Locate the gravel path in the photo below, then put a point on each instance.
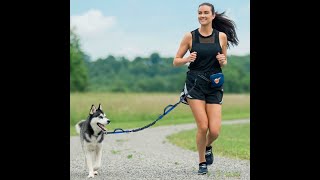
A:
(147, 155)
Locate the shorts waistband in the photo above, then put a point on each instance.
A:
(206, 73)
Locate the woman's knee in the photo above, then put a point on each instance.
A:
(214, 133)
(203, 129)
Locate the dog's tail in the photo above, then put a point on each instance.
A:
(78, 126)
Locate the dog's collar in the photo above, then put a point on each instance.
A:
(98, 134)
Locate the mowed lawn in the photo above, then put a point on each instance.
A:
(233, 141)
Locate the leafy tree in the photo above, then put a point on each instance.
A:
(78, 68)
(155, 58)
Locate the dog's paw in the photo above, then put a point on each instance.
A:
(95, 172)
(91, 175)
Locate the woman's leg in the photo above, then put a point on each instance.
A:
(198, 108)
(214, 115)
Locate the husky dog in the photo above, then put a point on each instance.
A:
(92, 133)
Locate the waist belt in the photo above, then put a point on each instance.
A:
(203, 75)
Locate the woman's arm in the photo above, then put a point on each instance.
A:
(222, 58)
(183, 48)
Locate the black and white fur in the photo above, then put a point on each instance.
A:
(91, 138)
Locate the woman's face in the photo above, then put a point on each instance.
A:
(205, 15)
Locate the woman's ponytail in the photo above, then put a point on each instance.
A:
(222, 23)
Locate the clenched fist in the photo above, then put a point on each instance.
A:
(192, 57)
(221, 58)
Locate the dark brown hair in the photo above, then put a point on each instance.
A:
(222, 23)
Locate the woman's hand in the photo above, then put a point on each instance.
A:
(222, 59)
(192, 57)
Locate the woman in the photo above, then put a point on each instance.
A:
(208, 54)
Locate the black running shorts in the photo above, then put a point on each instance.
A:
(202, 89)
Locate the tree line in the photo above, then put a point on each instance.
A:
(143, 74)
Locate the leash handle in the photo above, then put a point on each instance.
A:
(118, 129)
(165, 109)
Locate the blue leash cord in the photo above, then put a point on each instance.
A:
(165, 112)
(119, 130)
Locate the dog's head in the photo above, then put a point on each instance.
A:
(98, 118)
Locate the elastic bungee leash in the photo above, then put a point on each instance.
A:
(165, 112)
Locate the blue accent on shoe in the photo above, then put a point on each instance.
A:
(209, 155)
(202, 168)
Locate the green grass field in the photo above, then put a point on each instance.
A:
(233, 141)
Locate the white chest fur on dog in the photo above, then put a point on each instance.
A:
(94, 139)
(94, 142)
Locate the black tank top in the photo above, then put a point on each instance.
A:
(207, 47)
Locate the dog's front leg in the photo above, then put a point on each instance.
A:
(98, 154)
(89, 161)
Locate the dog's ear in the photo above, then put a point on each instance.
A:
(100, 107)
(92, 110)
